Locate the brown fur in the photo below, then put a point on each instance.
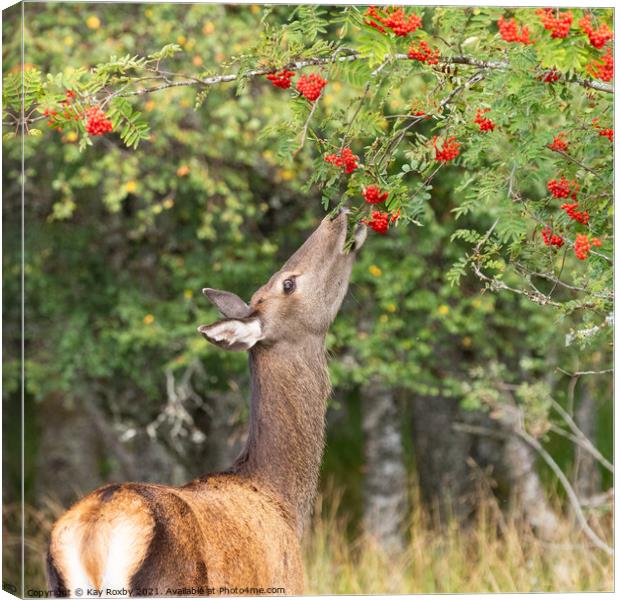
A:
(241, 528)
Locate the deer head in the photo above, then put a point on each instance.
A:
(298, 301)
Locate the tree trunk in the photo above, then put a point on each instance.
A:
(526, 490)
(69, 459)
(385, 482)
(518, 474)
(587, 474)
(441, 454)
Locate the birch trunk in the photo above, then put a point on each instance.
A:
(385, 482)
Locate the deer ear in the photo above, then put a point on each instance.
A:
(233, 334)
(229, 304)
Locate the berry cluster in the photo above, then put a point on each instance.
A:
(559, 143)
(380, 221)
(282, 79)
(97, 123)
(602, 70)
(311, 86)
(484, 123)
(345, 159)
(551, 239)
(559, 25)
(583, 245)
(509, 30)
(448, 151)
(580, 216)
(608, 133)
(551, 76)
(373, 195)
(393, 19)
(598, 37)
(424, 53)
(563, 188)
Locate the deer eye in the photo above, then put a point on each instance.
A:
(288, 285)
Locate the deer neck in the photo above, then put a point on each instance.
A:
(290, 387)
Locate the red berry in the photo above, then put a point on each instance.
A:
(484, 123)
(449, 149)
(380, 221)
(281, 79)
(602, 70)
(311, 86)
(608, 133)
(97, 123)
(423, 53)
(559, 144)
(555, 21)
(550, 239)
(551, 76)
(393, 18)
(598, 37)
(345, 159)
(509, 30)
(583, 245)
(372, 194)
(580, 216)
(563, 188)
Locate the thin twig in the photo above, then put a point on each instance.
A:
(574, 160)
(587, 447)
(580, 373)
(304, 131)
(582, 436)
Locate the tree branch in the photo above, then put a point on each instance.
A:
(585, 442)
(297, 65)
(579, 373)
(585, 446)
(572, 496)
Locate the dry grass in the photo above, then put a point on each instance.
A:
(494, 554)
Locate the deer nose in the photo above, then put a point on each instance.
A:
(342, 210)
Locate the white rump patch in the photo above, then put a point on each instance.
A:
(125, 551)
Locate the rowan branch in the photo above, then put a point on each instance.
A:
(570, 493)
(557, 281)
(575, 161)
(297, 65)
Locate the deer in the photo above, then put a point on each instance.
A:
(237, 531)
